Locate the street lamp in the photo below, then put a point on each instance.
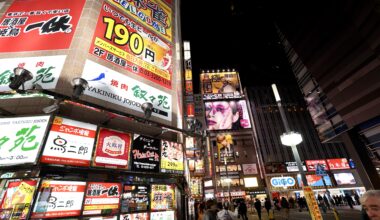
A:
(290, 138)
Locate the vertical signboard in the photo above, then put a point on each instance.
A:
(129, 45)
(135, 198)
(69, 142)
(315, 213)
(225, 147)
(44, 25)
(16, 201)
(171, 157)
(21, 139)
(112, 149)
(145, 154)
(59, 199)
(102, 198)
(162, 197)
(45, 70)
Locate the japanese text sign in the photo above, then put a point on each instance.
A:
(167, 215)
(44, 25)
(315, 213)
(69, 142)
(171, 157)
(21, 139)
(162, 197)
(312, 164)
(114, 87)
(135, 198)
(59, 199)
(112, 149)
(220, 85)
(338, 164)
(127, 44)
(17, 199)
(135, 216)
(45, 70)
(145, 153)
(102, 198)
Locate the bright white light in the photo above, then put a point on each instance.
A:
(186, 45)
(291, 138)
(251, 182)
(275, 92)
(227, 180)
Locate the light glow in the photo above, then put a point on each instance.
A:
(291, 138)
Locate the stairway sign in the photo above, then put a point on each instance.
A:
(320, 170)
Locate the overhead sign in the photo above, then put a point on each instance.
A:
(162, 197)
(315, 213)
(135, 198)
(131, 46)
(220, 85)
(46, 71)
(285, 181)
(171, 157)
(102, 198)
(114, 87)
(21, 139)
(145, 154)
(58, 199)
(112, 149)
(338, 164)
(45, 25)
(312, 164)
(69, 142)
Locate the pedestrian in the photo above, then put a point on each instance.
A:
(349, 200)
(276, 203)
(357, 199)
(201, 210)
(258, 208)
(326, 201)
(225, 214)
(267, 205)
(243, 210)
(285, 206)
(211, 210)
(371, 204)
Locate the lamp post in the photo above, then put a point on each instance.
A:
(290, 138)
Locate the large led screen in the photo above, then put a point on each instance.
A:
(220, 85)
(344, 178)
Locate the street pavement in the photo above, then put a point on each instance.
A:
(345, 213)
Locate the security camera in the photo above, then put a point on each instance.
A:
(79, 85)
(147, 107)
(20, 76)
(52, 108)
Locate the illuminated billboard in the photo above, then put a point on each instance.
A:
(220, 85)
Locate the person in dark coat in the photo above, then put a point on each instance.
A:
(285, 206)
(242, 210)
(268, 205)
(258, 208)
(349, 200)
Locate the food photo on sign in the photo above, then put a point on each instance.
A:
(146, 153)
(162, 197)
(171, 157)
(135, 198)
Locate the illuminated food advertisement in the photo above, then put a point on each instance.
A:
(69, 142)
(162, 197)
(102, 198)
(17, 198)
(59, 199)
(45, 25)
(227, 115)
(135, 198)
(112, 149)
(220, 85)
(21, 139)
(171, 157)
(145, 153)
(135, 216)
(225, 147)
(167, 215)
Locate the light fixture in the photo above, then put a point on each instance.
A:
(52, 108)
(20, 76)
(237, 154)
(147, 108)
(291, 138)
(79, 85)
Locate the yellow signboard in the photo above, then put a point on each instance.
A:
(315, 213)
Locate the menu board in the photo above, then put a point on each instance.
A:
(59, 199)
(162, 197)
(167, 215)
(145, 154)
(102, 198)
(135, 198)
(112, 149)
(69, 142)
(16, 201)
(135, 216)
(171, 157)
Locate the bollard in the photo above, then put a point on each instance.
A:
(336, 214)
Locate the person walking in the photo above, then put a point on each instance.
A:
(285, 206)
(243, 210)
(258, 208)
(349, 200)
(225, 214)
(211, 210)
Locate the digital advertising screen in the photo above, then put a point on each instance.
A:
(102, 198)
(146, 153)
(171, 157)
(344, 179)
(225, 145)
(135, 198)
(311, 165)
(314, 180)
(220, 85)
(338, 164)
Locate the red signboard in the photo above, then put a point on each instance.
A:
(125, 43)
(338, 164)
(312, 164)
(112, 149)
(102, 198)
(39, 25)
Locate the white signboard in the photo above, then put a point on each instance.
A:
(292, 167)
(167, 215)
(45, 70)
(21, 139)
(69, 142)
(114, 87)
(249, 169)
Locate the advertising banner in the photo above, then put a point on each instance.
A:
(59, 199)
(114, 87)
(312, 164)
(315, 181)
(135, 216)
(45, 70)
(112, 149)
(102, 198)
(227, 115)
(17, 198)
(338, 164)
(199, 166)
(292, 166)
(225, 147)
(127, 44)
(45, 25)
(69, 142)
(196, 186)
(344, 179)
(221, 85)
(21, 139)
(315, 213)
(249, 169)
(135, 198)
(171, 157)
(154, 14)
(167, 215)
(146, 154)
(162, 197)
